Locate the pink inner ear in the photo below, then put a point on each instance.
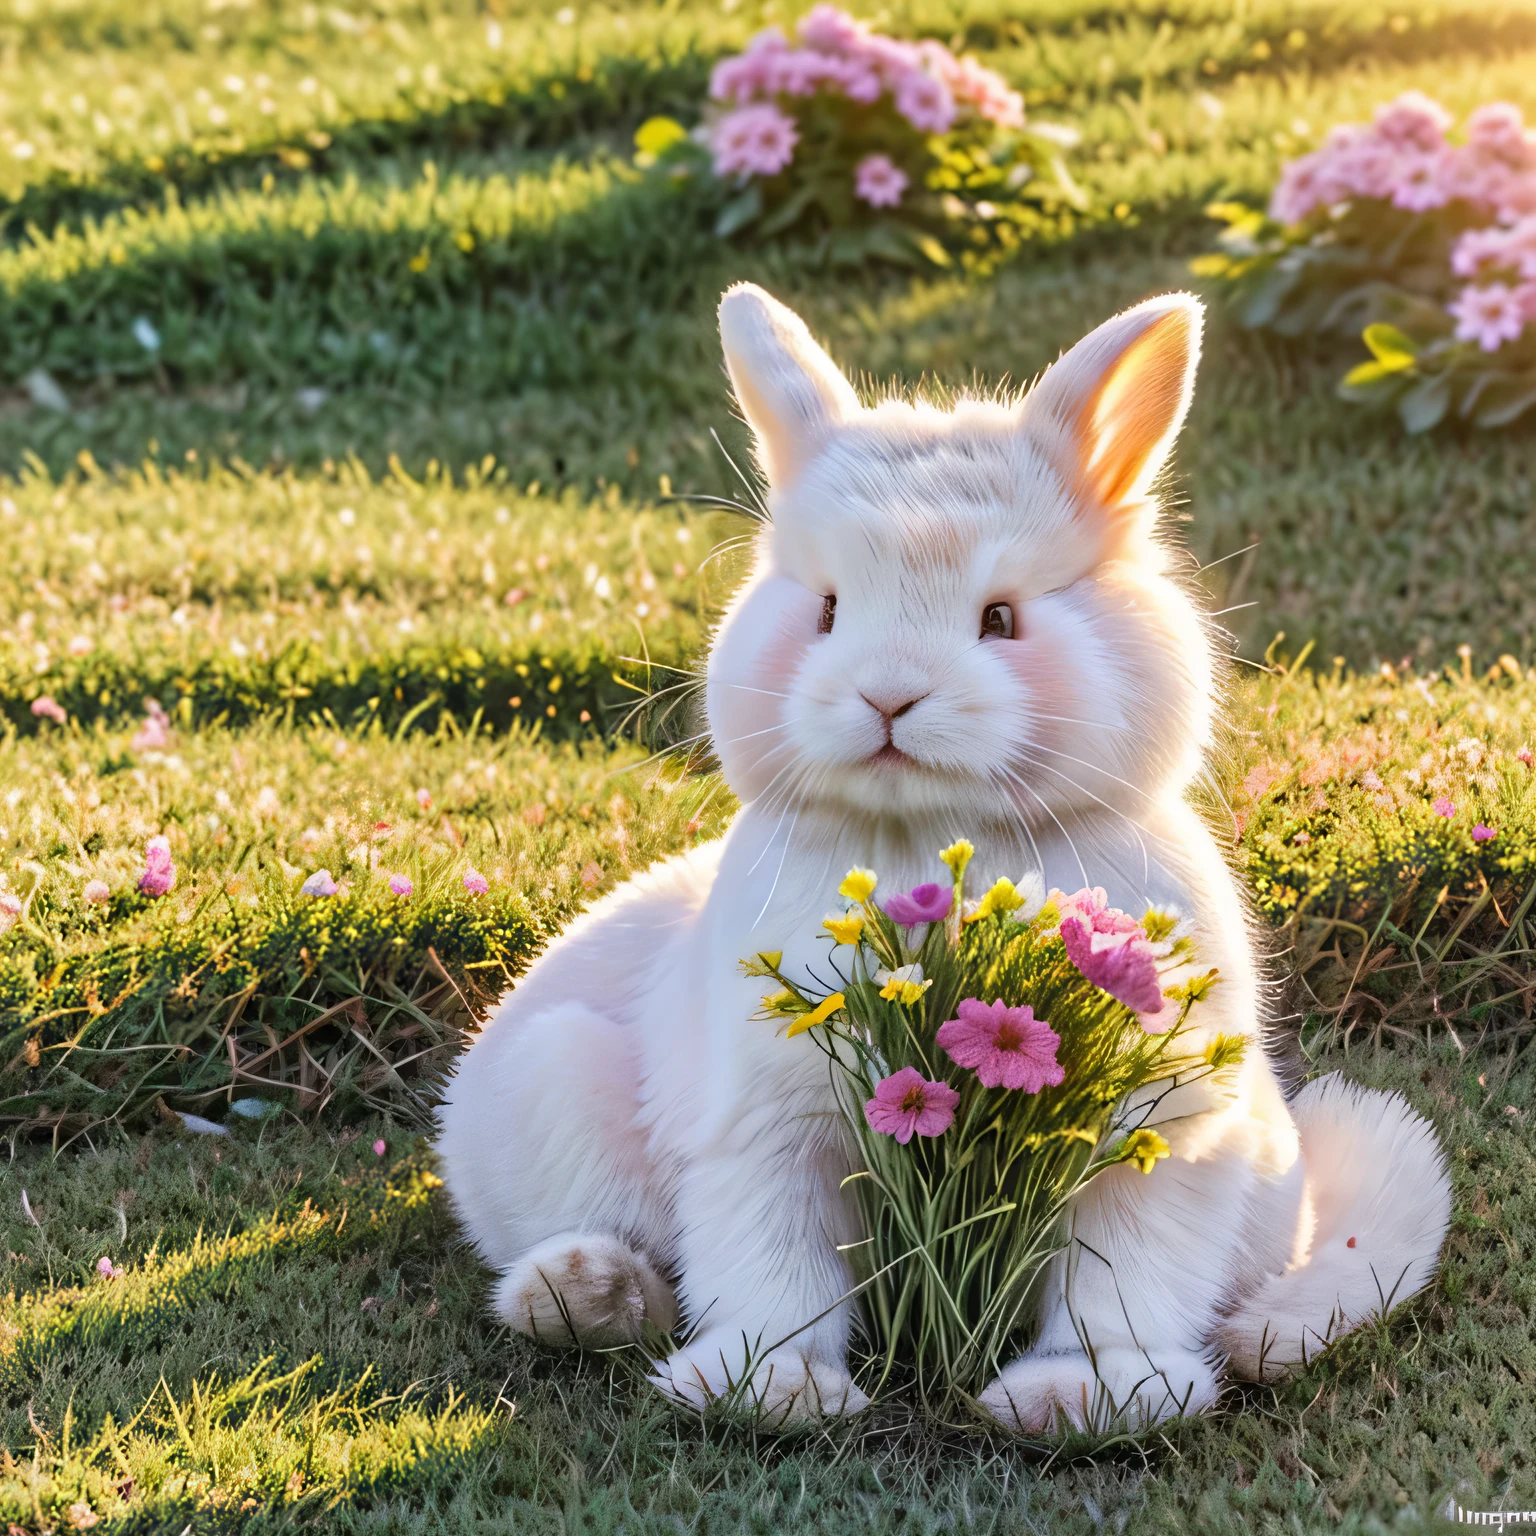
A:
(1127, 420)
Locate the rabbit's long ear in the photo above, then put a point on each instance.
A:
(1109, 410)
(791, 392)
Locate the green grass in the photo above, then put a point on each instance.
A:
(287, 88)
(296, 522)
(233, 596)
(297, 1336)
(236, 980)
(1394, 915)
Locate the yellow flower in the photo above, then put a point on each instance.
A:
(1146, 1149)
(957, 856)
(818, 1015)
(780, 1002)
(845, 928)
(772, 958)
(1003, 898)
(903, 985)
(858, 884)
(421, 261)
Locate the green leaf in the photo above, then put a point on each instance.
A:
(656, 135)
(740, 211)
(1500, 402)
(1392, 348)
(1371, 384)
(887, 242)
(1263, 303)
(791, 208)
(1425, 405)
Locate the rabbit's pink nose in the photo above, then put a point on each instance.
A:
(888, 710)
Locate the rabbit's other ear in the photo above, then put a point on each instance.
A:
(1109, 410)
(791, 392)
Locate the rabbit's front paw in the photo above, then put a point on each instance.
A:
(585, 1288)
(780, 1389)
(1039, 1394)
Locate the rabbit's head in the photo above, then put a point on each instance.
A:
(966, 613)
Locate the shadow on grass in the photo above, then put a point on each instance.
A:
(614, 90)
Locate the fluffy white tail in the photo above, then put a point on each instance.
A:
(1376, 1205)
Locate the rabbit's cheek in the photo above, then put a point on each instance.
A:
(1040, 679)
(751, 680)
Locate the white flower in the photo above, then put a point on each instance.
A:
(903, 985)
(145, 334)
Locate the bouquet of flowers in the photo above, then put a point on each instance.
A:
(876, 144)
(991, 1057)
(1426, 243)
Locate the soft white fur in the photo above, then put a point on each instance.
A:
(625, 1116)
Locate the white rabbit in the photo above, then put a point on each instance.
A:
(959, 623)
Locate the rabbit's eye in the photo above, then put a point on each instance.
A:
(828, 613)
(997, 619)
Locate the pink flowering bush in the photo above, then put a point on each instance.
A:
(1421, 238)
(875, 144)
(984, 1051)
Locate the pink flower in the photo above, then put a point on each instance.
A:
(1479, 249)
(753, 141)
(1490, 315)
(1421, 182)
(1498, 127)
(800, 72)
(831, 29)
(402, 885)
(923, 904)
(1007, 1047)
(107, 1269)
(1091, 907)
(155, 734)
(380, 1147)
(47, 708)
(879, 181)
(159, 871)
(1482, 833)
(1444, 807)
(925, 102)
(319, 884)
(1520, 244)
(475, 883)
(1111, 950)
(1413, 120)
(424, 799)
(738, 79)
(890, 56)
(941, 64)
(857, 80)
(748, 74)
(1526, 756)
(10, 905)
(906, 1102)
(1122, 964)
(986, 92)
(1304, 185)
(96, 892)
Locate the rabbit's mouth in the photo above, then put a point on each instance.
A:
(890, 753)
